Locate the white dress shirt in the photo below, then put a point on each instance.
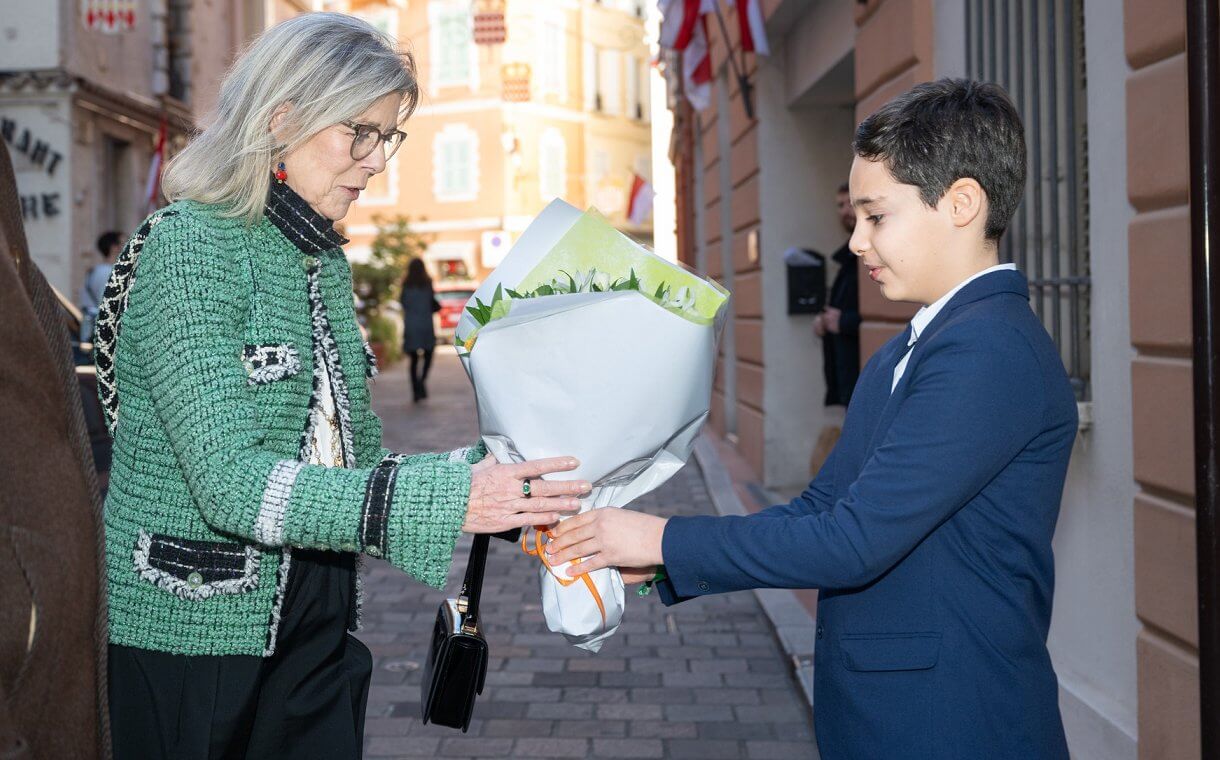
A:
(926, 314)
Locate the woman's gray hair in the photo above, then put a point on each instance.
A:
(328, 67)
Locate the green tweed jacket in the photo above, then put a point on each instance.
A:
(208, 342)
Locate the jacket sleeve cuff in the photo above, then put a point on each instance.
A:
(424, 518)
(681, 547)
(667, 594)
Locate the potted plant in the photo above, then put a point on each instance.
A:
(376, 282)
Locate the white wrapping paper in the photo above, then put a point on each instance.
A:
(614, 379)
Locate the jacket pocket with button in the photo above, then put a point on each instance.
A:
(195, 570)
(871, 652)
(268, 362)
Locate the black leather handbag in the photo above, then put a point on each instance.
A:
(457, 659)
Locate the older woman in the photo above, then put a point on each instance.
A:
(248, 470)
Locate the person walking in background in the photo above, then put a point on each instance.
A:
(108, 246)
(839, 325)
(418, 338)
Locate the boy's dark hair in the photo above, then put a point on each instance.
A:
(939, 132)
(106, 241)
(844, 188)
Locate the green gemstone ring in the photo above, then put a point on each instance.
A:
(525, 488)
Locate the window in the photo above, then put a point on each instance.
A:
(552, 165)
(382, 189)
(590, 76)
(601, 165)
(1036, 51)
(451, 39)
(553, 55)
(635, 110)
(119, 209)
(455, 164)
(609, 71)
(179, 53)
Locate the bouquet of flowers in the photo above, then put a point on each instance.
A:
(585, 343)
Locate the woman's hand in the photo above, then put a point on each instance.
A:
(608, 537)
(498, 502)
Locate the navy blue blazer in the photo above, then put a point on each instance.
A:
(928, 533)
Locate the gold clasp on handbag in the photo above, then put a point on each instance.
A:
(469, 630)
(462, 604)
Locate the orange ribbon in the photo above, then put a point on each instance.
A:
(539, 551)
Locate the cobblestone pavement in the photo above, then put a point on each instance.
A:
(705, 679)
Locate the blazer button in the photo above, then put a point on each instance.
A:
(372, 550)
(704, 586)
(309, 262)
(195, 579)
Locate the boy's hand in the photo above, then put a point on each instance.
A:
(608, 537)
(634, 576)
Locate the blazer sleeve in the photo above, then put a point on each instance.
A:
(187, 311)
(975, 399)
(818, 496)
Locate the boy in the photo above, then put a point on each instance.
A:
(928, 530)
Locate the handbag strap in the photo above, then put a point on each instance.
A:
(472, 586)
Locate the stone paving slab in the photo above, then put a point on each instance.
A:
(705, 679)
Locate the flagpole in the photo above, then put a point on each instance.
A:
(742, 82)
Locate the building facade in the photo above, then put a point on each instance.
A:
(559, 109)
(84, 89)
(1103, 237)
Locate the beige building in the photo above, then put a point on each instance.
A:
(82, 98)
(1103, 236)
(476, 167)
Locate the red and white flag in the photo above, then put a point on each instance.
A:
(152, 188)
(639, 205)
(753, 27)
(684, 28)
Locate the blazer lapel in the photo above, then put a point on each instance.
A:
(987, 286)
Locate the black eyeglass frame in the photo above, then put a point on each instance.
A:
(392, 139)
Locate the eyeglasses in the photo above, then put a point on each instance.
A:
(368, 138)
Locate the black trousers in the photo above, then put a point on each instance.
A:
(305, 701)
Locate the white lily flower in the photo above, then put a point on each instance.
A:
(683, 300)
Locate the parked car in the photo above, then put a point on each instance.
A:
(452, 299)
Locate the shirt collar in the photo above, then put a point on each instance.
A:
(926, 314)
(305, 228)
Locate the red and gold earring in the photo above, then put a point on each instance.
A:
(281, 173)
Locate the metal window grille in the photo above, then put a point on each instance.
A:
(1035, 50)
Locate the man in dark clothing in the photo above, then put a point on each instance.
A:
(839, 325)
